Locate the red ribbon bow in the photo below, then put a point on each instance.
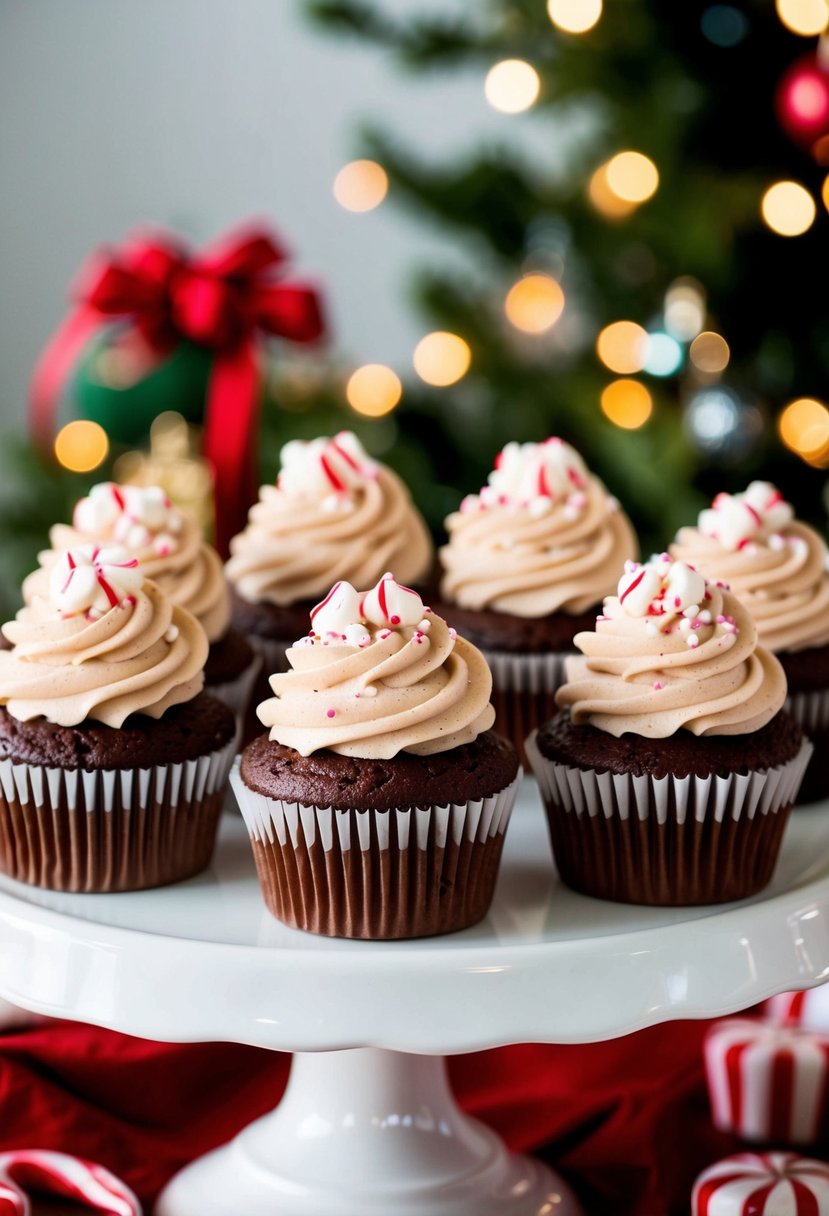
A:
(223, 298)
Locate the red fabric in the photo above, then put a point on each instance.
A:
(625, 1121)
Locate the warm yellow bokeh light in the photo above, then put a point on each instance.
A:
(684, 308)
(512, 86)
(709, 352)
(623, 347)
(441, 358)
(804, 17)
(788, 208)
(627, 404)
(534, 303)
(81, 446)
(632, 177)
(373, 390)
(361, 185)
(574, 16)
(824, 193)
(604, 200)
(804, 428)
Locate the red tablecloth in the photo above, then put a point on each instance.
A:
(626, 1122)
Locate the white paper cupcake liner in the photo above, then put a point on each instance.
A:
(532, 673)
(407, 872)
(110, 830)
(811, 709)
(667, 840)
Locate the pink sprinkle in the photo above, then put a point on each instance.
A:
(720, 619)
(384, 633)
(453, 633)
(131, 600)
(331, 713)
(677, 601)
(395, 620)
(657, 687)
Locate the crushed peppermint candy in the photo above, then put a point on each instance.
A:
(756, 516)
(534, 477)
(92, 579)
(327, 469)
(669, 595)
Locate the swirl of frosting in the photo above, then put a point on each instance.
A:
(377, 675)
(104, 643)
(774, 564)
(543, 536)
(672, 652)
(333, 512)
(169, 548)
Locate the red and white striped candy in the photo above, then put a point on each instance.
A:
(768, 1083)
(762, 1184)
(809, 1010)
(59, 1174)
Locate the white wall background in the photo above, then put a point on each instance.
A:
(197, 114)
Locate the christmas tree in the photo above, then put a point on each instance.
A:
(655, 304)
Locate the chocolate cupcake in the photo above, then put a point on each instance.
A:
(113, 763)
(669, 774)
(528, 562)
(333, 514)
(777, 566)
(378, 802)
(173, 553)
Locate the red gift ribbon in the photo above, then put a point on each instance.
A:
(222, 298)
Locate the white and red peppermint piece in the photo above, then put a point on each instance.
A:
(337, 613)
(768, 1083)
(665, 589)
(391, 604)
(46, 1172)
(319, 468)
(134, 516)
(809, 1010)
(92, 579)
(762, 1184)
(535, 475)
(736, 520)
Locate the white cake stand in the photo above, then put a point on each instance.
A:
(368, 1126)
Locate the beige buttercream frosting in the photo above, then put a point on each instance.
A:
(774, 564)
(333, 513)
(169, 547)
(102, 644)
(379, 674)
(543, 536)
(672, 652)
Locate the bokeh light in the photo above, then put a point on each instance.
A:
(623, 347)
(804, 428)
(632, 177)
(627, 404)
(603, 198)
(534, 303)
(684, 309)
(441, 358)
(663, 356)
(804, 17)
(724, 25)
(788, 208)
(824, 192)
(361, 185)
(512, 86)
(574, 16)
(81, 446)
(373, 390)
(709, 353)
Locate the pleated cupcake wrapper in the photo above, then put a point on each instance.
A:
(406, 872)
(523, 692)
(811, 709)
(110, 830)
(236, 693)
(666, 840)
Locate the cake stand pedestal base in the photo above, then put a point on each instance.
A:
(366, 1133)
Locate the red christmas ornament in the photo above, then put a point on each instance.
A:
(802, 101)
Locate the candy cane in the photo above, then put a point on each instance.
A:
(60, 1174)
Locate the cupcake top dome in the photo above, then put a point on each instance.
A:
(333, 513)
(542, 536)
(169, 547)
(378, 674)
(776, 565)
(672, 651)
(102, 643)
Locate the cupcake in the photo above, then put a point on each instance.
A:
(333, 514)
(528, 562)
(172, 552)
(113, 763)
(777, 566)
(669, 772)
(378, 800)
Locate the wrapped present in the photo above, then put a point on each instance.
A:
(762, 1184)
(47, 1173)
(807, 1009)
(768, 1083)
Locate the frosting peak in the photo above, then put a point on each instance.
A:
(672, 651)
(333, 512)
(543, 536)
(363, 686)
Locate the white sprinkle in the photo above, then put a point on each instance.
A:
(171, 634)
